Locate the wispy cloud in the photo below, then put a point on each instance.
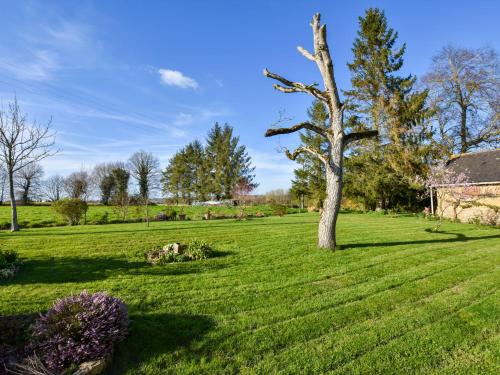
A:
(39, 48)
(176, 78)
(38, 65)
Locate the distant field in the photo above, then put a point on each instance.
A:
(396, 299)
(36, 216)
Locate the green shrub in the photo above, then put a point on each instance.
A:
(278, 209)
(9, 256)
(170, 253)
(103, 219)
(171, 213)
(197, 250)
(70, 209)
(241, 215)
(9, 264)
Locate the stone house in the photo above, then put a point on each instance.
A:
(483, 190)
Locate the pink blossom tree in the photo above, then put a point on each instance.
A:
(242, 189)
(453, 190)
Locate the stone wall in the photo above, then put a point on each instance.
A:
(483, 204)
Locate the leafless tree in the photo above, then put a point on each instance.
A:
(21, 144)
(3, 183)
(464, 85)
(53, 188)
(333, 132)
(28, 182)
(79, 185)
(145, 169)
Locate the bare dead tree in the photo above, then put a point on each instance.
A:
(28, 181)
(21, 144)
(53, 188)
(3, 183)
(145, 169)
(333, 132)
(77, 184)
(464, 85)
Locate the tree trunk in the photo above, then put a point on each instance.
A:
(455, 214)
(331, 204)
(14, 226)
(463, 130)
(85, 214)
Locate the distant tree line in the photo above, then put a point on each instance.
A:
(220, 170)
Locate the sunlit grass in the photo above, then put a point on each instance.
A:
(397, 298)
(42, 215)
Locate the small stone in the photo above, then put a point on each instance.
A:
(91, 367)
(178, 248)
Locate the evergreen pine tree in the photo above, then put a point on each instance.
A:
(378, 172)
(228, 162)
(197, 173)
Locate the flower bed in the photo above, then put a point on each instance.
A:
(77, 335)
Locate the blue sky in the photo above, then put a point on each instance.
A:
(119, 76)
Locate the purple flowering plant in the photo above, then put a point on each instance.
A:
(79, 328)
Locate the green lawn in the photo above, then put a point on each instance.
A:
(42, 215)
(396, 298)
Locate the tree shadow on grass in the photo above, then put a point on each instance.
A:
(79, 269)
(153, 334)
(459, 237)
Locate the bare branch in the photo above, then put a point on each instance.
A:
(352, 137)
(303, 125)
(308, 55)
(305, 149)
(296, 86)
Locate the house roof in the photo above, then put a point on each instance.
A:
(482, 166)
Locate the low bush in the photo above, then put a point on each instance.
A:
(70, 209)
(79, 328)
(174, 252)
(103, 219)
(161, 217)
(491, 217)
(171, 213)
(278, 209)
(9, 264)
(197, 250)
(241, 215)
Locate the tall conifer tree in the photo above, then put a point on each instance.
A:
(378, 172)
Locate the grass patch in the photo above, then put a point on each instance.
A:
(42, 215)
(397, 298)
